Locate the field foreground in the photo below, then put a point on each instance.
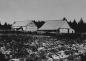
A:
(63, 47)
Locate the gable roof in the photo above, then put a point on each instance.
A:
(21, 23)
(54, 25)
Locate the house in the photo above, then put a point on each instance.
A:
(60, 26)
(18, 59)
(24, 25)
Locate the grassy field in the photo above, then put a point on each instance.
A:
(33, 45)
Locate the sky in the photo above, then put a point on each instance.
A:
(19, 10)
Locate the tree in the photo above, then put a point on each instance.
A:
(81, 26)
(81, 21)
(39, 23)
(70, 23)
(74, 25)
(9, 26)
(5, 24)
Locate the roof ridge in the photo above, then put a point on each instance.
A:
(23, 21)
(54, 20)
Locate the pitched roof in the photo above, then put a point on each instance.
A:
(21, 23)
(54, 24)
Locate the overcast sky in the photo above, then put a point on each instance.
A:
(17, 10)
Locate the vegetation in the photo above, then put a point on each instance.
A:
(5, 26)
(79, 27)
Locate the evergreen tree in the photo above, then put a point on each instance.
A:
(39, 23)
(74, 25)
(5, 26)
(70, 23)
(9, 26)
(81, 26)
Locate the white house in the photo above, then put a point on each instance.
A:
(24, 25)
(18, 59)
(60, 26)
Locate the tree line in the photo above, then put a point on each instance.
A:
(5, 26)
(79, 27)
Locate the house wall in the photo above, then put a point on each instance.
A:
(71, 31)
(63, 30)
(66, 30)
(15, 27)
(29, 28)
(24, 28)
